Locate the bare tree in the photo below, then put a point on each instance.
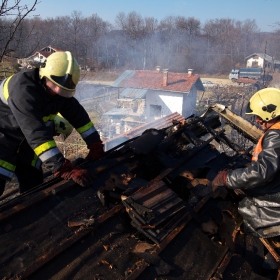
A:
(149, 42)
(190, 27)
(12, 15)
(133, 25)
(224, 38)
(167, 29)
(94, 29)
(176, 42)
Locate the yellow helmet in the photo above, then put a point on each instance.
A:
(62, 127)
(265, 103)
(63, 70)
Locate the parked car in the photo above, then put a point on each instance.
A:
(208, 84)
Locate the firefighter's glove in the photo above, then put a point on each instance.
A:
(95, 151)
(78, 175)
(64, 170)
(220, 180)
(81, 177)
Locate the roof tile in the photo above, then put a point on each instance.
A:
(154, 80)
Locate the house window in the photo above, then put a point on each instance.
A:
(255, 64)
(155, 111)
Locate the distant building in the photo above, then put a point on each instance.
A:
(260, 60)
(163, 93)
(129, 113)
(37, 58)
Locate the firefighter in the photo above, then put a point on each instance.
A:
(29, 102)
(29, 167)
(260, 180)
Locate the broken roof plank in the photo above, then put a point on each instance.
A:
(248, 129)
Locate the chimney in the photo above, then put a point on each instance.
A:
(190, 72)
(165, 77)
(158, 68)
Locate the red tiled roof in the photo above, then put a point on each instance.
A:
(57, 50)
(45, 54)
(50, 47)
(154, 80)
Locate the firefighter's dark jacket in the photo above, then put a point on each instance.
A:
(28, 110)
(261, 183)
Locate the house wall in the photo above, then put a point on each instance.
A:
(255, 62)
(32, 60)
(36, 58)
(169, 102)
(189, 102)
(40, 58)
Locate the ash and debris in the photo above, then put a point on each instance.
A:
(63, 231)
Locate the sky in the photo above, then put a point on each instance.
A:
(265, 12)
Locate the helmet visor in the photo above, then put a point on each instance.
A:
(65, 81)
(249, 111)
(55, 89)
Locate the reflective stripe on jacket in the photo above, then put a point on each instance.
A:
(86, 130)
(4, 93)
(7, 169)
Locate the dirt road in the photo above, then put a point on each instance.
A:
(218, 81)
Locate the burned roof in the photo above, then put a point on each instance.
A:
(149, 214)
(146, 79)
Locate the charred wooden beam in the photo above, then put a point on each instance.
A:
(247, 129)
(146, 143)
(271, 249)
(23, 202)
(191, 126)
(66, 243)
(190, 154)
(222, 267)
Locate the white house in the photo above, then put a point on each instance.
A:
(260, 60)
(165, 92)
(38, 57)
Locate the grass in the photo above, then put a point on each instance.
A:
(7, 68)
